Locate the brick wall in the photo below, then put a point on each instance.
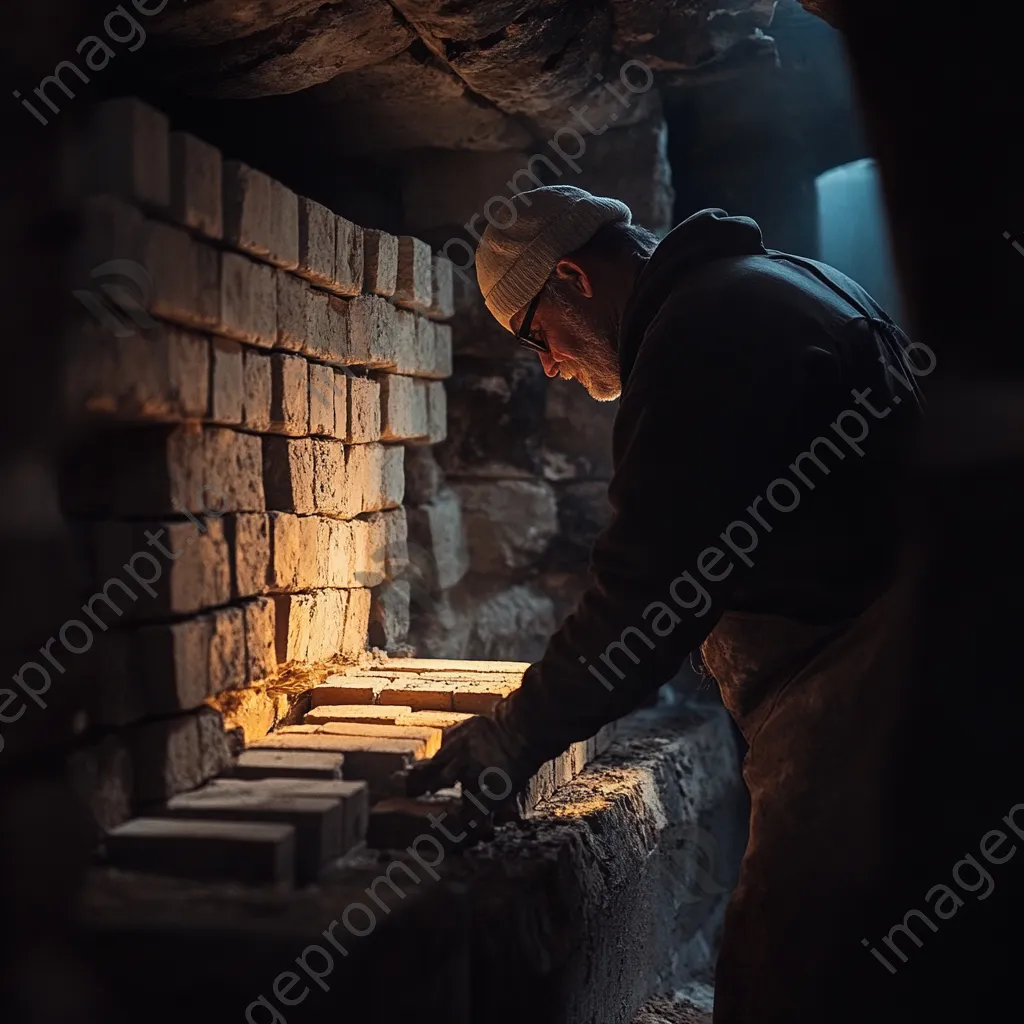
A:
(249, 373)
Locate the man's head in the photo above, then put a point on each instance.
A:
(559, 273)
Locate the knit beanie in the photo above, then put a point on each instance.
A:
(516, 257)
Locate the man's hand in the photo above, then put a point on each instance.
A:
(487, 757)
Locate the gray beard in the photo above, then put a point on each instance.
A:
(599, 374)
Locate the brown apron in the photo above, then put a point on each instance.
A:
(821, 709)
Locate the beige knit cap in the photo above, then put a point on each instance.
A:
(517, 253)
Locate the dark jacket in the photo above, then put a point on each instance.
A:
(748, 475)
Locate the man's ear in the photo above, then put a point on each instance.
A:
(569, 270)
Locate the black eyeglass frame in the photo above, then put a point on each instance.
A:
(523, 334)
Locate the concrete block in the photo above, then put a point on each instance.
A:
(349, 258)
(288, 474)
(414, 282)
(170, 664)
(438, 551)
(403, 408)
(185, 276)
(389, 615)
(287, 764)
(357, 624)
(372, 332)
(364, 474)
(380, 272)
(294, 620)
(294, 311)
(442, 305)
(233, 471)
(393, 456)
(437, 411)
(329, 483)
(248, 300)
(196, 199)
(227, 386)
(253, 853)
(364, 410)
(317, 239)
(165, 757)
(289, 402)
(322, 399)
(260, 640)
(258, 390)
(128, 153)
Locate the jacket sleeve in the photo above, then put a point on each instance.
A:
(703, 427)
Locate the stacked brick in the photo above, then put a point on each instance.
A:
(259, 365)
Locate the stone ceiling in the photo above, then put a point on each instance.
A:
(451, 74)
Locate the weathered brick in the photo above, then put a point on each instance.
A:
(393, 456)
(349, 258)
(438, 550)
(458, 667)
(340, 404)
(185, 276)
(127, 153)
(403, 408)
(437, 411)
(294, 619)
(364, 409)
(284, 226)
(414, 285)
(442, 306)
(109, 230)
(227, 650)
(431, 737)
(295, 312)
(326, 328)
(419, 695)
(372, 332)
(321, 399)
(170, 663)
(249, 534)
(380, 255)
(369, 713)
(196, 194)
(329, 478)
(318, 821)
(442, 366)
(317, 239)
(287, 764)
(364, 476)
(288, 474)
(337, 543)
(260, 639)
(165, 757)
(406, 341)
(443, 720)
(347, 689)
(101, 775)
(369, 541)
(289, 402)
(227, 386)
(261, 216)
(424, 478)
(396, 541)
(258, 385)
(161, 376)
(389, 615)
(327, 624)
(254, 853)
(357, 623)
(248, 300)
(292, 563)
(233, 477)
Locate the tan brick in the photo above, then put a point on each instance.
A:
(403, 408)
(227, 387)
(250, 543)
(127, 153)
(364, 410)
(288, 474)
(329, 477)
(295, 311)
(289, 403)
(289, 559)
(369, 713)
(479, 700)
(357, 623)
(260, 639)
(414, 286)
(426, 347)
(287, 764)
(169, 663)
(327, 328)
(471, 668)
(185, 276)
(442, 306)
(438, 548)
(420, 696)
(327, 624)
(261, 216)
(195, 183)
(431, 737)
(437, 411)
(406, 341)
(294, 619)
(394, 475)
(256, 404)
(317, 239)
(233, 477)
(347, 689)
(340, 404)
(349, 258)
(372, 332)
(321, 400)
(312, 562)
(369, 541)
(335, 555)
(443, 720)
(380, 254)
(163, 376)
(284, 227)
(248, 300)
(364, 474)
(396, 541)
(389, 615)
(227, 650)
(165, 757)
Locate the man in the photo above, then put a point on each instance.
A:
(763, 404)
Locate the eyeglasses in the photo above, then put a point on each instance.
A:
(523, 334)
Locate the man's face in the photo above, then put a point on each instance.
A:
(581, 341)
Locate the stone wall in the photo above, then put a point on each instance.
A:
(248, 373)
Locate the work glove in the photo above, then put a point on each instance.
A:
(491, 760)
